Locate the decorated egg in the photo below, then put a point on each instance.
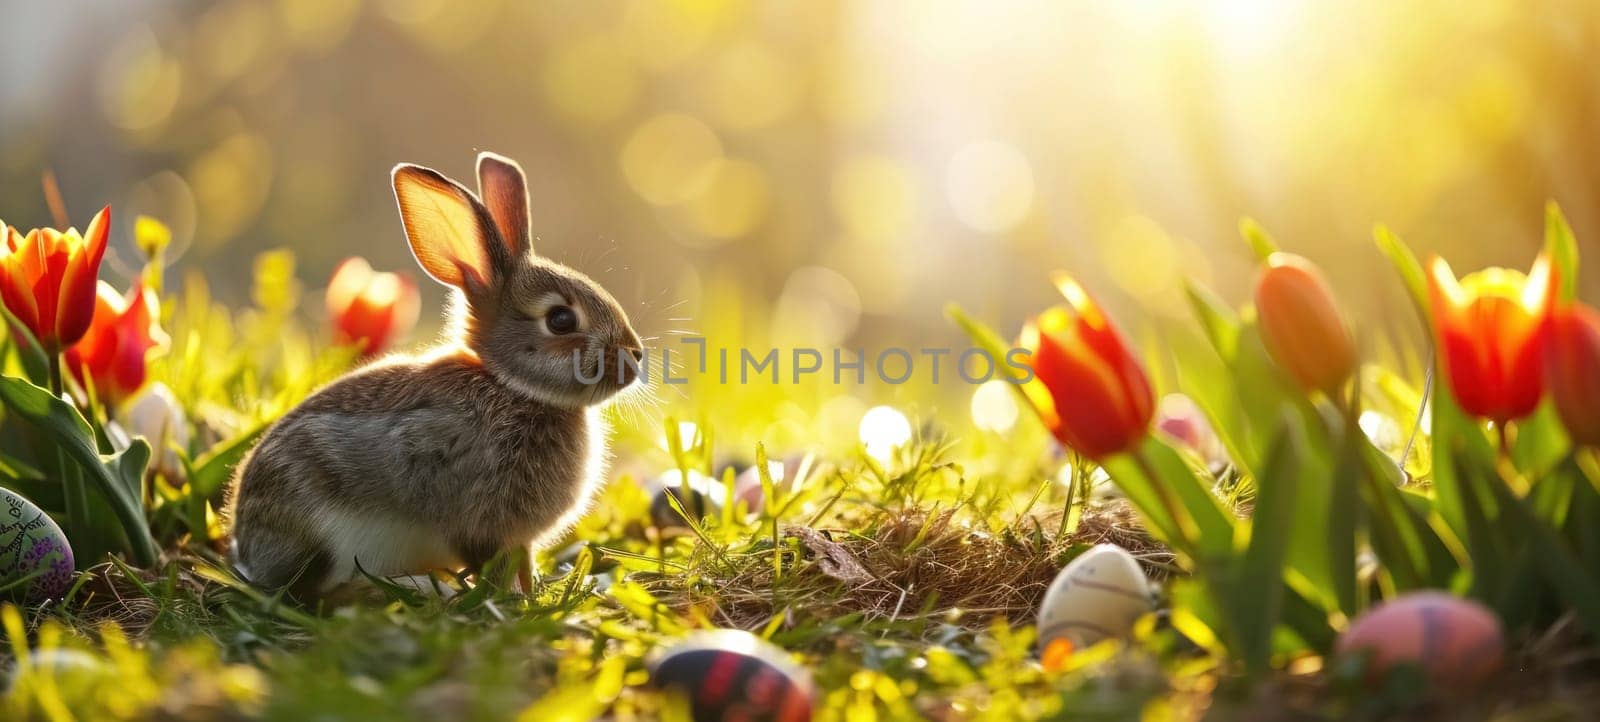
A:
(699, 497)
(1099, 595)
(156, 415)
(747, 487)
(1180, 419)
(729, 674)
(31, 545)
(1455, 642)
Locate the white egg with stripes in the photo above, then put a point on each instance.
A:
(1099, 595)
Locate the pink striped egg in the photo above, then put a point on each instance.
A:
(1456, 642)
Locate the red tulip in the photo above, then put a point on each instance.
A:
(47, 279)
(112, 356)
(370, 309)
(1087, 387)
(1491, 329)
(1572, 368)
(1301, 325)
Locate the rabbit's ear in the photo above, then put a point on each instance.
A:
(450, 232)
(504, 191)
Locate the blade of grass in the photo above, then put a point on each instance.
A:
(1562, 246)
(1261, 242)
(1406, 264)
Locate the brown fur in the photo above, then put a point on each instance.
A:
(442, 460)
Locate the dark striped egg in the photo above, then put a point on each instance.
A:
(700, 497)
(32, 545)
(732, 676)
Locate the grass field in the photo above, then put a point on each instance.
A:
(899, 558)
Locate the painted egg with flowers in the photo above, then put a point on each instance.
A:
(730, 674)
(35, 558)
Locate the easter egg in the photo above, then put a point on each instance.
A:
(156, 415)
(1455, 642)
(728, 675)
(1099, 595)
(694, 503)
(1179, 418)
(700, 496)
(747, 487)
(32, 544)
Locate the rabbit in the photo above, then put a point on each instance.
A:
(438, 461)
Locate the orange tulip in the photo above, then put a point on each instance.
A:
(1572, 368)
(1090, 391)
(1301, 325)
(1491, 328)
(47, 279)
(113, 355)
(370, 309)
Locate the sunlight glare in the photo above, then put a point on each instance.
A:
(884, 429)
(994, 407)
(687, 433)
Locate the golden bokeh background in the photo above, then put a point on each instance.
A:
(843, 169)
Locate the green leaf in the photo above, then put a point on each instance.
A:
(1309, 621)
(1220, 322)
(986, 339)
(35, 363)
(1455, 433)
(15, 469)
(1261, 388)
(213, 468)
(1166, 491)
(1563, 570)
(1541, 443)
(1562, 246)
(1260, 241)
(1409, 548)
(1488, 545)
(1343, 512)
(117, 478)
(1406, 263)
(1258, 600)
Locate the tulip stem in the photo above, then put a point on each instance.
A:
(1182, 527)
(71, 476)
(55, 375)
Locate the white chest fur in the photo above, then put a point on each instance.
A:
(386, 546)
(383, 546)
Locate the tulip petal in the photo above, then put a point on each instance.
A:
(1544, 284)
(1087, 406)
(1491, 332)
(351, 275)
(18, 297)
(1100, 396)
(1301, 326)
(1443, 288)
(75, 304)
(96, 236)
(1573, 371)
(1037, 393)
(48, 258)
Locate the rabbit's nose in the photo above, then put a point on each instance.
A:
(637, 353)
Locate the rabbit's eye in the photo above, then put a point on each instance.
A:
(561, 320)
